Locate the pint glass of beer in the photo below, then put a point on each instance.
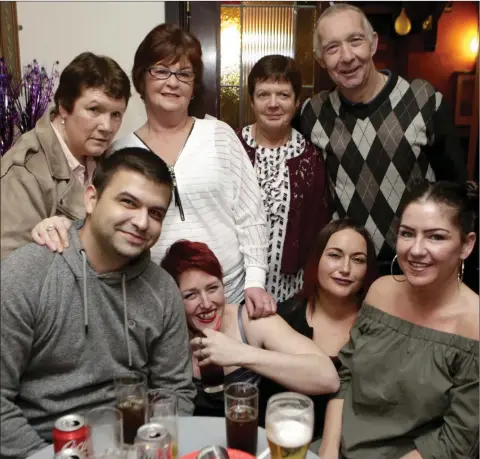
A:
(130, 390)
(289, 424)
(241, 413)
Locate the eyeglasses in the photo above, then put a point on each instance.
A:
(161, 73)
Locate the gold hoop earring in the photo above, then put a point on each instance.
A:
(391, 270)
(462, 270)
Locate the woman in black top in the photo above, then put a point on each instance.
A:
(338, 273)
(245, 348)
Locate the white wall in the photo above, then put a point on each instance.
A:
(61, 30)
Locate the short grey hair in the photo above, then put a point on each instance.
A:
(339, 8)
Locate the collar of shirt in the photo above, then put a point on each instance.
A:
(80, 172)
(385, 72)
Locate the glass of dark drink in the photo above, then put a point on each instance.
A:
(212, 375)
(212, 378)
(241, 413)
(130, 390)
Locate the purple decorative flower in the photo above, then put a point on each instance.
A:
(22, 105)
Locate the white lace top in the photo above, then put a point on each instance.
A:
(273, 177)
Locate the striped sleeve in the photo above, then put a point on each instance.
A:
(249, 213)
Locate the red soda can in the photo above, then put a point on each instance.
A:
(70, 432)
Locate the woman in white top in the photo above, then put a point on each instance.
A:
(217, 197)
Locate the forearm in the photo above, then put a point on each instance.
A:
(448, 157)
(306, 373)
(254, 245)
(249, 216)
(18, 438)
(18, 222)
(255, 276)
(332, 430)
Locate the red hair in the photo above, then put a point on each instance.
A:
(185, 255)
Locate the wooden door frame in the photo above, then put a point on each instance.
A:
(9, 44)
(202, 19)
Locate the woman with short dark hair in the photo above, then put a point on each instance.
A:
(45, 172)
(290, 172)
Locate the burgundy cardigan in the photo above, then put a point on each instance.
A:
(308, 212)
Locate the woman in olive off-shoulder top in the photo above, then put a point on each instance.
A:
(410, 372)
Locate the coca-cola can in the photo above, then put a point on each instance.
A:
(69, 433)
(154, 441)
(70, 453)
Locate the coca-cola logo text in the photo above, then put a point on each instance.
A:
(80, 445)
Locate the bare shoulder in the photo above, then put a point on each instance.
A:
(230, 313)
(382, 293)
(468, 325)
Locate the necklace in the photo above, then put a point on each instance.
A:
(171, 168)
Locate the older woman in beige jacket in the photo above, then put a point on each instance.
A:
(45, 172)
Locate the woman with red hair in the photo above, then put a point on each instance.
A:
(338, 273)
(245, 348)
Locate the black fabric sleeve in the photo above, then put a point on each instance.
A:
(447, 156)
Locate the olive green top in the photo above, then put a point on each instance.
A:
(407, 387)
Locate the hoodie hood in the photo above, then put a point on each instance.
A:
(76, 259)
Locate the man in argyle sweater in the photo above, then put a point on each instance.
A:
(379, 133)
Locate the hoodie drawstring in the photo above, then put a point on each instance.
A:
(125, 315)
(85, 300)
(125, 319)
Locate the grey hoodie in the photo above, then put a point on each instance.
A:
(51, 364)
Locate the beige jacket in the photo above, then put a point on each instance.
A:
(36, 183)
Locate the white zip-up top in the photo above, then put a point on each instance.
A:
(222, 204)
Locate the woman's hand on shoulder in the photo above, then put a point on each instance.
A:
(52, 232)
(259, 302)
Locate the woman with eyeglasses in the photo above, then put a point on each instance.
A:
(217, 199)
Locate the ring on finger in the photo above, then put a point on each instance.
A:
(50, 227)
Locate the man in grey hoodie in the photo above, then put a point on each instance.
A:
(71, 321)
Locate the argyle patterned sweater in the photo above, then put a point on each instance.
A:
(375, 152)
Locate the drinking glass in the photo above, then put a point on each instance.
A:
(162, 408)
(241, 413)
(212, 375)
(104, 433)
(212, 378)
(289, 424)
(130, 390)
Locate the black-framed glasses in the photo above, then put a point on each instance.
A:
(161, 73)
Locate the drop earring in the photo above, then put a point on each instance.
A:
(462, 270)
